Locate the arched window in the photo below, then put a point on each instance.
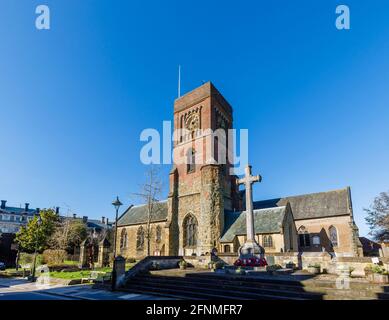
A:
(158, 234)
(140, 238)
(216, 149)
(268, 241)
(304, 237)
(123, 239)
(190, 231)
(191, 160)
(333, 236)
(227, 248)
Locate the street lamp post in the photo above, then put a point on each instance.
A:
(116, 203)
(39, 222)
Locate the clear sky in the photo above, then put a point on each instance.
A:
(74, 99)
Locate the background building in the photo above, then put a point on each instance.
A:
(12, 218)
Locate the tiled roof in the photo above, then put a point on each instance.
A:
(91, 223)
(98, 224)
(138, 214)
(314, 205)
(265, 221)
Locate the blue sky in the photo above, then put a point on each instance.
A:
(74, 99)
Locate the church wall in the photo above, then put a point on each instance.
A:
(130, 251)
(320, 227)
(187, 205)
(277, 240)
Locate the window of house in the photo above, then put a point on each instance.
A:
(190, 231)
(333, 236)
(227, 248)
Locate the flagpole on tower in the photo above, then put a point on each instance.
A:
(179, 81)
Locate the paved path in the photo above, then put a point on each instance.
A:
(21, 289)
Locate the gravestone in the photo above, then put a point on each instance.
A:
(104, 250)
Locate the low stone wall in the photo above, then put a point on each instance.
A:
(199, 262)
(164, 262)
(360, 263)
(272, 258)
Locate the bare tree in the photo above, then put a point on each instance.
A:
(151, 190)
(68, 234)
(378, 217)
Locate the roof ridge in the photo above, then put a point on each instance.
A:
(305, 194)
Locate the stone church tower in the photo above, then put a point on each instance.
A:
(200, 188)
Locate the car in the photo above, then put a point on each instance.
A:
(2, 265)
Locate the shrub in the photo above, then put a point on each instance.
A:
(216, 264)
(378, 269)
(316, 265)
(28, 258)
(183, 264)
(54, 257)
(273, 267)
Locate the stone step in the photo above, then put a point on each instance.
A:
(235, 286)
(241, 280)
(306, 285)
(190, 293)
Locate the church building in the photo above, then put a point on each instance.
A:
(205, 210)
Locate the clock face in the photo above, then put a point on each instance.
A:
(192, 122)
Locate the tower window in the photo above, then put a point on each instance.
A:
(191, 161)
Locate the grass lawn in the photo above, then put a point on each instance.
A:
(83, 273)
(69, 275)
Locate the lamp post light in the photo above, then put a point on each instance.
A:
(116, 203)
(39, 222)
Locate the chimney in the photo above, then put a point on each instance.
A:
(26, 206)
(3, 203)
(85, 219)
(103, 220)
(106, 221)
(57, 210)
(74, 216)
